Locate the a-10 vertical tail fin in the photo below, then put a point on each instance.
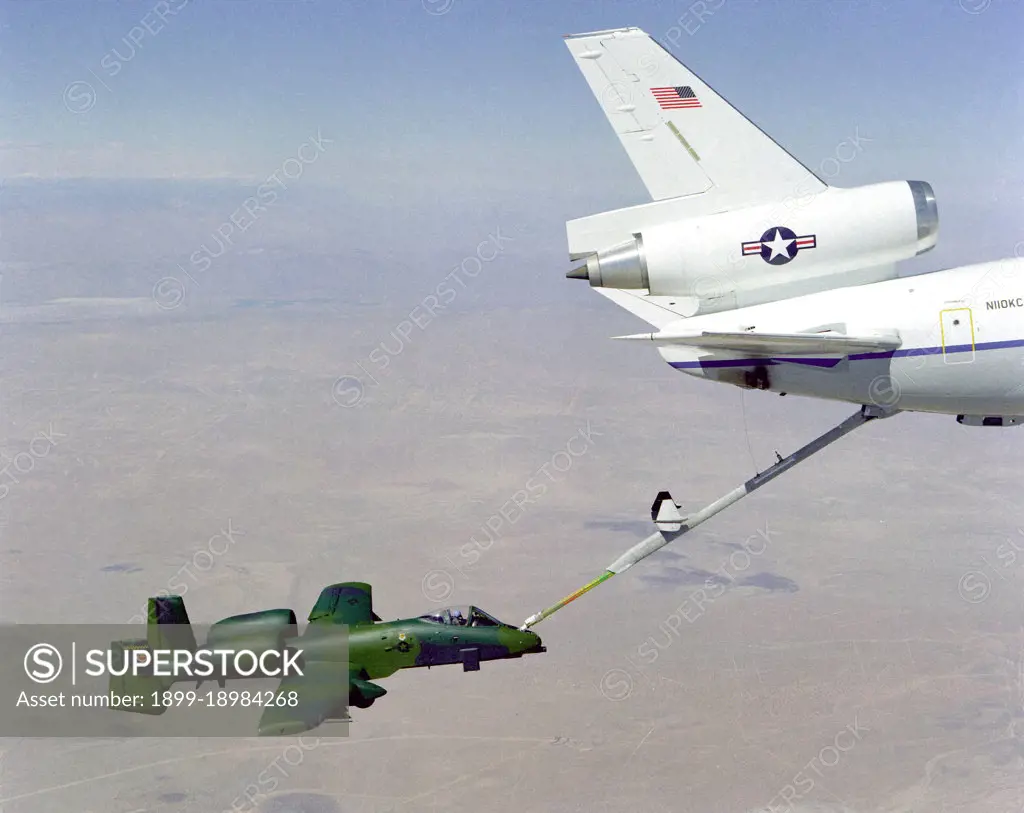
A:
(168, 626)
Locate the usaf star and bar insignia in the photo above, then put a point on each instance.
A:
(779, 245)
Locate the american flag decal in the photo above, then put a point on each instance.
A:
(676, 98)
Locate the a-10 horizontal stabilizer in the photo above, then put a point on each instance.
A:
(665, 512)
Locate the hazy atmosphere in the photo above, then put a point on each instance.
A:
(219, 238)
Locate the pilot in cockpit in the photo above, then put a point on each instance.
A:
(462, 617)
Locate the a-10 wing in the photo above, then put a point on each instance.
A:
(348, 603)
(303, 702)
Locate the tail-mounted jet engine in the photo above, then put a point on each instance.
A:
(759, 254)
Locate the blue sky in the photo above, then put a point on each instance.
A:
(481, 106)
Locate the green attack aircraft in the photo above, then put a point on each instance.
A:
(344, 647)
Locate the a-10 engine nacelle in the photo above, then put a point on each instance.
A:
(743, 257)
(259, 631)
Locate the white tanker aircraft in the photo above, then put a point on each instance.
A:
(757, 273)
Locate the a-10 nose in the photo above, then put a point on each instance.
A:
(530, 642)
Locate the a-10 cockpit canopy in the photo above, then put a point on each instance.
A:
(465, 616)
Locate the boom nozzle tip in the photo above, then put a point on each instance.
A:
(529, 622)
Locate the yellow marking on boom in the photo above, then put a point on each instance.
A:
(568, 599)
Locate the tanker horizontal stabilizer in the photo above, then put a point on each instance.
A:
(774, 344)
(655, 310)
